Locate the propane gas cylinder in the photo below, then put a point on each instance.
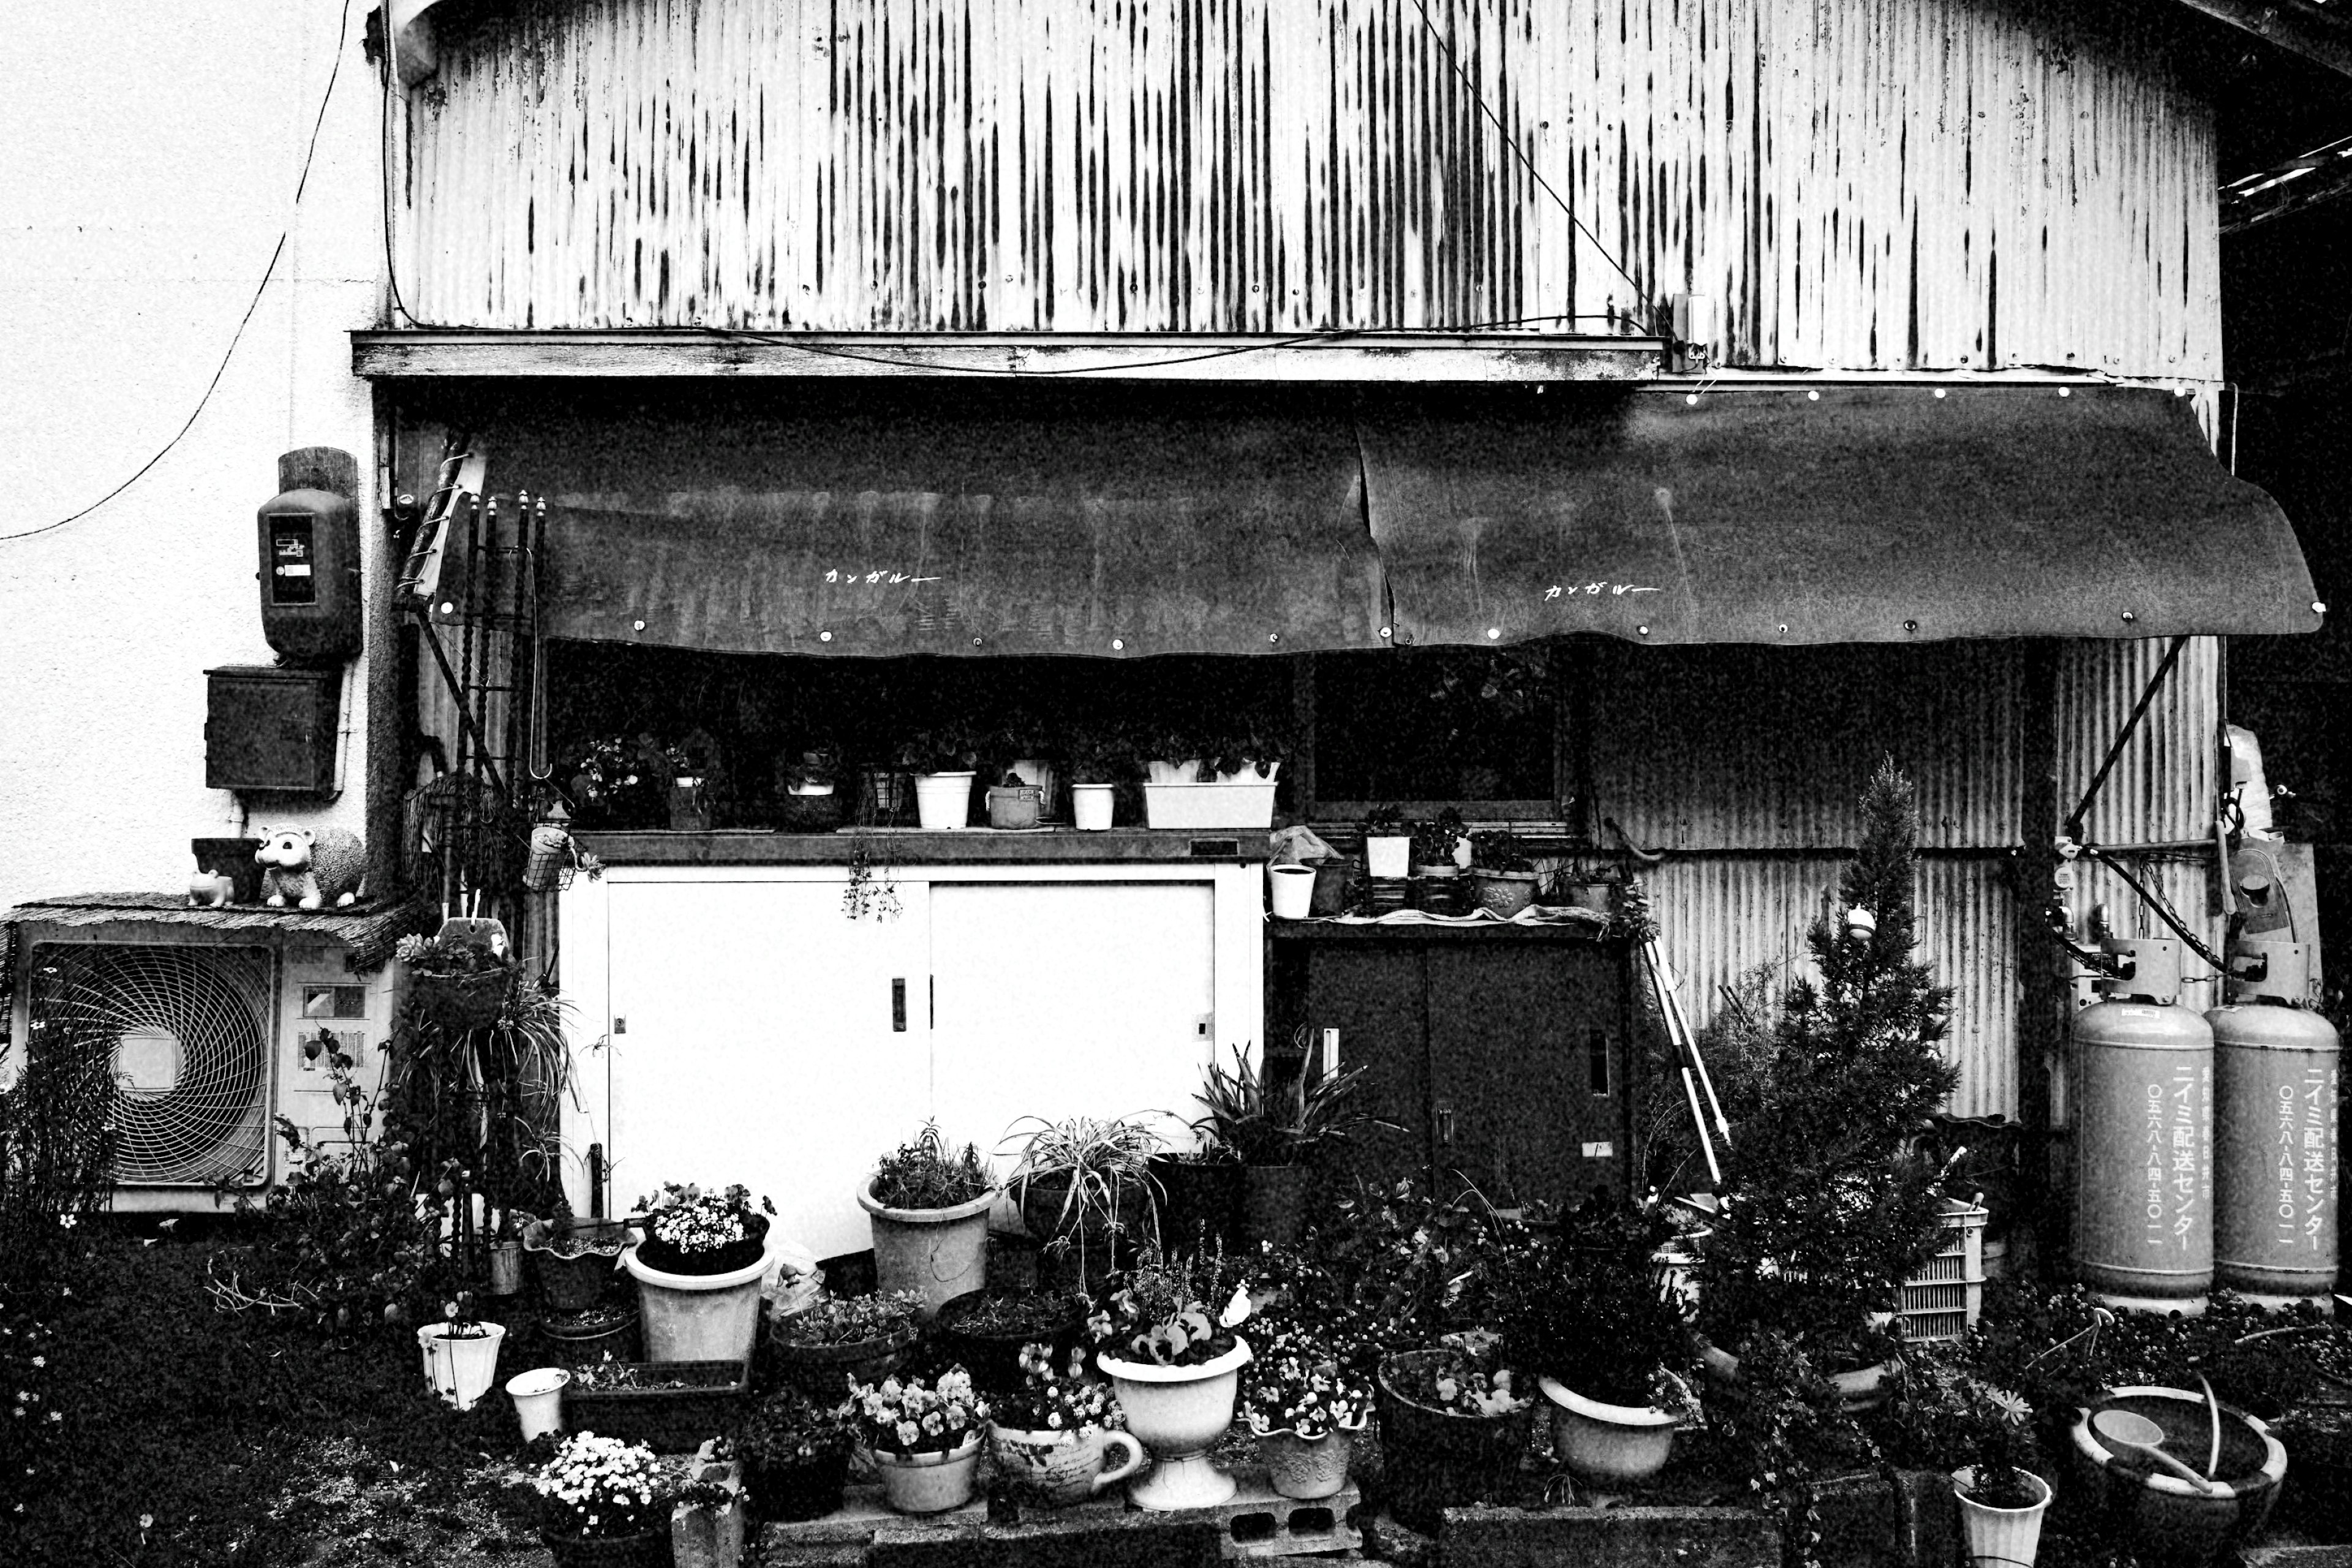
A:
(2143, 1136)
(2275, 1071)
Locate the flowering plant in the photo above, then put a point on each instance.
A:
(1161, 1314)
(1051, 1400)
(687, 1228)
(1295, 1382)
(903, 1416)
(602, 1487)
(789, 1429)
(1461, 1379)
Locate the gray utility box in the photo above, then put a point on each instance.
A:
(273, 730)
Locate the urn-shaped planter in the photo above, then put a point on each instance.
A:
(1179, 1411)
(1058, 1469)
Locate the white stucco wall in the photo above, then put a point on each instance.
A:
(148, 157)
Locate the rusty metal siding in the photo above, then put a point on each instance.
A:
(1884, 183)
(1720, 917)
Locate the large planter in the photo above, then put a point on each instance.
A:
(804, 1488)
(938, 1253)
(1178, 1412)
(1307, 1468)
(1200, 1203)
(993, 1356)
(1274, 1204)
(942, 800)
(1999, 1537)
(1094, 1250)
(1227, 805)
(929, 1483)
(824, 1372)
(460, 1370)
(574, 1273)
(1435, 1459)
(1607, 1441)
(2162, 1517)
(1058, 1469)
(648, 1548)
(697, 1317)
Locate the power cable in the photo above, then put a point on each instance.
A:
(277, 251)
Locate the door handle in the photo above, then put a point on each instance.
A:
(898, 1005)
(1446, 1126)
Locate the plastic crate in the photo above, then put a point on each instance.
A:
(1942, 1301)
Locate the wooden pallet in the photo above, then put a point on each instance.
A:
(1258, 1523)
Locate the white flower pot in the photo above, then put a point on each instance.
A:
(1178, 1412)
(929, 1483)
(1090, 806)
(1294, 890)
(939, 1254)
(942, 800)
(1058, 1469)
(1386, 855)
(538, 1396)
(460, 1370)
(1607, 1441)
(1307, 1468)
(2007, 1537)
(697, 1317)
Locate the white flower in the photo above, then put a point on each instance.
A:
(40, 1360)
(69, 1221)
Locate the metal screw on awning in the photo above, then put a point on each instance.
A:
(1494, 632)
(975, 642)
(640, 626)
(1644, 630)
(2129, 617)
(1784, 628)
(1940, 392)
(824, 637)
(1910, 626)
(2065, 392)
(1386, 632)
(1273, 636)
(2318, 606)
(1117, 645)
(1813, 397)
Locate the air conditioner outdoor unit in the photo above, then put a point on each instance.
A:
(208, 1031)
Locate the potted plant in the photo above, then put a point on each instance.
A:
(459, 979)
(1200, 1195)
(1454, 1423)
(1305, 1408)
(923, 1438)
(1502, 872)
(840, 1339)
(697, 1272)
(808, 778)
(692, 765)
(1272, 1128)
(1437, 875)
(1014, 804)
(1166, 1338)
(1388, 843)
(1051, 1435)
(573, 1258)
(672, 1406)
(605, 1506)
(461, 1352)
(928, 1209)
(944, 761)
(796, 1456)
(986, 1331)
(1218, 772)
(1949, 1416)
(1595, 1321)
(1100, 758)
(1085, 1190)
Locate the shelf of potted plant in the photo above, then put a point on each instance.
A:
(1052, 1433)
(1086, 1191)
(796, 1456)
(605, 1505)
(697, 1271)
(1167, 1340)
(1592, 1317)
(922, 1437)
(840, 1339)
(928, 1209)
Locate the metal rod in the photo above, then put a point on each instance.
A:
(449, 678)
(2115, 753)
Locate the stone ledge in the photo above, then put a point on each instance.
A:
(1608, 1538)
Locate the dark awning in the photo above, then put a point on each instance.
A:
(1010, 523)
(1837, 515)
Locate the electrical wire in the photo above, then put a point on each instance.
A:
(278, 251)
(389, 76)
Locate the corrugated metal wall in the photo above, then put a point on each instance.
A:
(1747, 764)
(1873, 183)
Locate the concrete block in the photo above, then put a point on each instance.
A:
(1129, 1540)
(1607, 1538)
(709, 1534)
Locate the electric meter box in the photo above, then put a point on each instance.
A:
(310, 534)
(271, 729)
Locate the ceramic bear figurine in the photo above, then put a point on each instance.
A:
(310, 869)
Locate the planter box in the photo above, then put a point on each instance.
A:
(1209, 804)
(672, 1420)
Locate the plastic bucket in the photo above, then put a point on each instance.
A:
(1294, 890)
(1090, 805)
(942, 800)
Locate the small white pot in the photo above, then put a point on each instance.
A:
(1178, 1412)
(1607, 1441)
(1387, 855)
(1090, 805)
(1294, 890)
(943, 800)
(2006, 1536)
(929, 1483)
(460, 1370)
(538, 1396)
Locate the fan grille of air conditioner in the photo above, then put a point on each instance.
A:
(188, 1029)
